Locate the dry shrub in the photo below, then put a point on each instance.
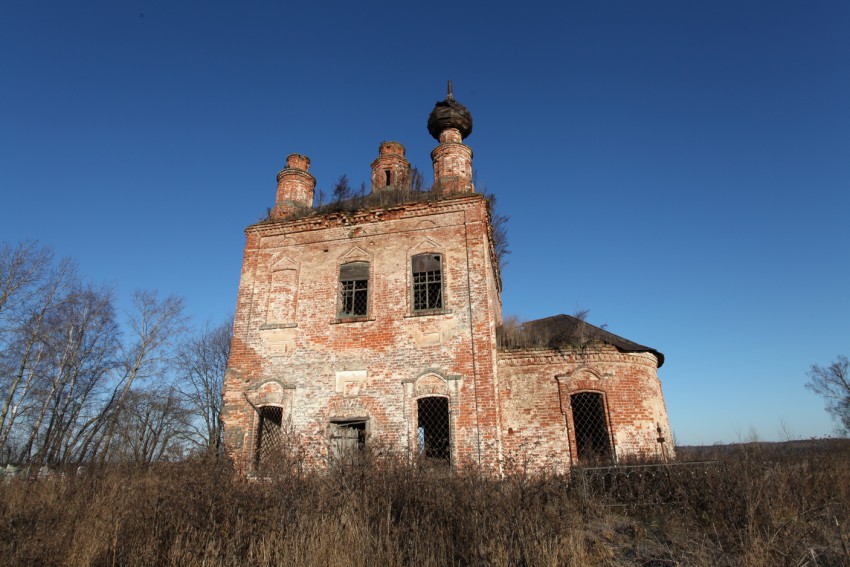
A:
(754, 505)
(751, 504)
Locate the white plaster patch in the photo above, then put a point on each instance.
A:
(279, 342)
(348, 382)
(427, 339)
(448, 326)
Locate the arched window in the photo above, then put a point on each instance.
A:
(432, 428)
(590, 425)
(354, 290)
(427, 279)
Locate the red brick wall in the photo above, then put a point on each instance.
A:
(538, 429)
(324, 368)
(509, 411)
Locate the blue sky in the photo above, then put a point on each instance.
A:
(680, 169)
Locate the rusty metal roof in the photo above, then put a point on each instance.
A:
(449, 113)
(563, 330)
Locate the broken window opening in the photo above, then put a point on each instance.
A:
(427, 282)
(269, 436)
(388, 177)
(593, 441)
(354, 289)
(348, 438)
(432, 428)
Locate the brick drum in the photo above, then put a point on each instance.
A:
(352, 320)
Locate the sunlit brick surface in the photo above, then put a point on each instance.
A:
(320, 366)
(346, 336)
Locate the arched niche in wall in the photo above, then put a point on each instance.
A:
(271, 392)
(282, 296)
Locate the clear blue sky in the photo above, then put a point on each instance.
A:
(681, 169)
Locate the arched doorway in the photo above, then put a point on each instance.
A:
(590, 425)
(432, 428)
(269, 436)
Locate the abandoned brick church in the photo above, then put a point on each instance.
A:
(378, 322)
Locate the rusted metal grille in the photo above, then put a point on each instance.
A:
(354, 300)
(433, 437)
(593, 441)
(427, 282)
(269, 436)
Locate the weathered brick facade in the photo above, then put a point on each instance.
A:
(379, 324)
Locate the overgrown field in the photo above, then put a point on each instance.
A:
(755, 504)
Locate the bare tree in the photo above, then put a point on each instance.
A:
(201, 363)
(152, 426)
(833, 384)
(155, 325)
(417, 182)
(31, 291)
(22, 269)
(499, 224)
(80, 338)
(341, 190)
(69, 382)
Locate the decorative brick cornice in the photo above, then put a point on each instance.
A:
(260, 383)
(342, 219)
(431, 372)
(534, 357)
(271, 326)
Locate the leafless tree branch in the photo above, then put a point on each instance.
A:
(832, 383)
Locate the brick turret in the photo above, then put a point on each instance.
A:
(295, 186)
(390, 170)
(450, 122)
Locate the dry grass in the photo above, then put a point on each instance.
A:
(753, 505)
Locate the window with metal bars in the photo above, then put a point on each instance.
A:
(269, 436)
(433, 437)
(593, 441)
(427, 282)
(354, 289)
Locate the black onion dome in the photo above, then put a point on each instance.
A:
(449, 113)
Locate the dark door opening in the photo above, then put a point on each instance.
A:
(269, 436)
(347, 438)
(433, 439)
(593, 442)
